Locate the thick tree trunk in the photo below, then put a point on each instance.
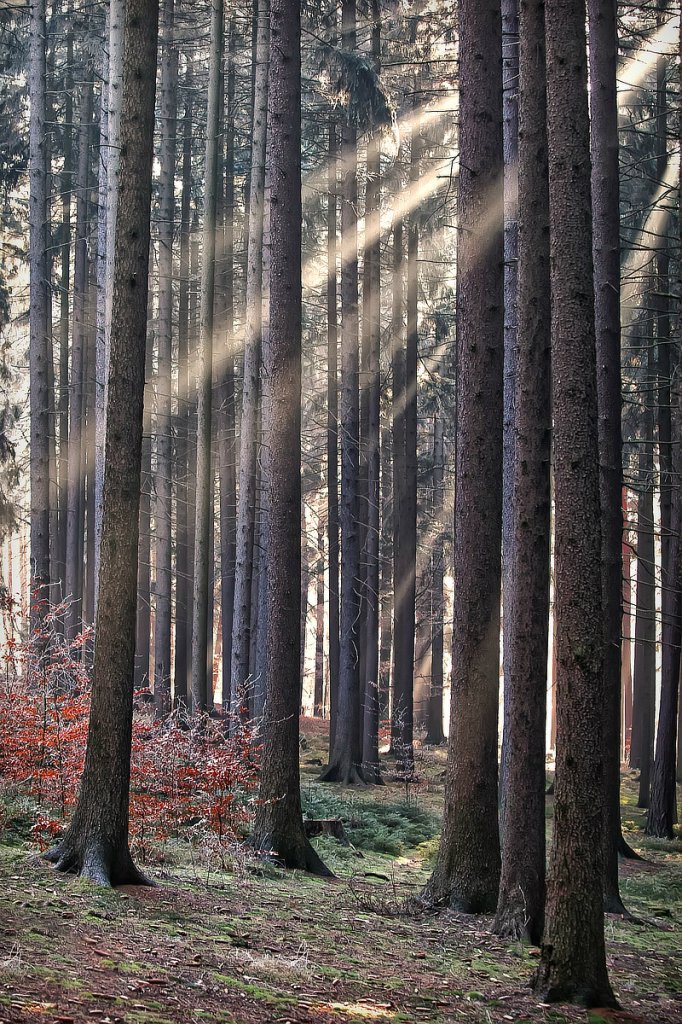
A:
(467, 868)
(248, 444)
(203, 551)
(606, 250)
(96, 842)
(573, 960)
(279, 822)
(164, 412)
(520, 906)
(345, 759)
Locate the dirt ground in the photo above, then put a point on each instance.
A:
(239, 947)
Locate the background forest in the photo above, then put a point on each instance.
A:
(340, 509)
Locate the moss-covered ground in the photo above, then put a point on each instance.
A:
(247, 946)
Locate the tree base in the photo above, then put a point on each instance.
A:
(613, 904)
(437, 895)
(296, 856)
(512, 922)
(371, 774)
(347, 775)
(93, 862)
(550, 987)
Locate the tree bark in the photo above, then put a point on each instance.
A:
(39, 323)
(248, 446)
(96, 842)
(164, 428)
(279, 822)
(572, 965)
(332, 435)
(467, 869)
(346, 755)
(520, 905)
(203, 551)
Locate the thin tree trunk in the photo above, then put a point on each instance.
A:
(183, 594)
(606, 250)
(143, 617)
(75, 496)
(520, 906)
(202, 551)
(346, 754)
(332, 436)
(39, 325)
(164, 412)
(252, 360)
(434, 732)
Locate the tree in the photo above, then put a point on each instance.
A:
(345, 758)
(606, 250)
(520, 907)
(279, 823)
(39, 315)
(164, 438)
(573, 961)
(466, 873)
(202, 684)
(96, 842)
(248, 448)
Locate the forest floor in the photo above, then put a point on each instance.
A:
(275, 947)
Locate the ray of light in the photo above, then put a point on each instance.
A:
(632, 286)
(635, 69)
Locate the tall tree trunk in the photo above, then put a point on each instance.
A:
(183, 595)
(434, 731)
(345, 759)
(113, 88)
(143, 618)
(227, 439)
(398, 452)
(39, 325)
(386, 584)
(573, 960)
(510, 142)
(520, 906)
(248, 447)
(164, 429)
(279, 822)
(606, 249)
(203, 552)
(96, 842)
(467, 868)
(75, 495)
(332, 435)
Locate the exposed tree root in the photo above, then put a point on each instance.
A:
(94, 863)
(626, 851)
(297, 855)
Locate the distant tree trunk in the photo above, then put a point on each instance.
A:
(370, 736)
(248, 437)
(398, 462)
(182, 588)
(164, 428)
(319, 623)
(332, 437)
(227, 440)
(278, 826)
(405, 523)
(386, 584)
(39, 319)
(66, 187)
(96, 842)
(662, 810)
(573, 960)
(203, 552)
(75, 491)
(345, 759)
(467, 868)
(520, 906)
(606, 249)
(434, 732)
(626, 648)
